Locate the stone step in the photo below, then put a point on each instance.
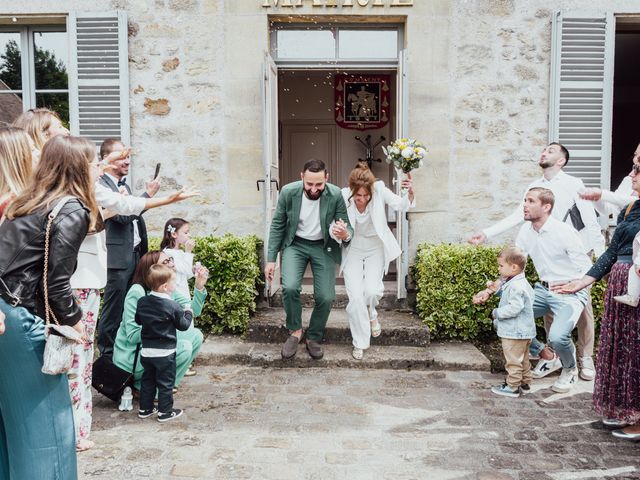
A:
(231, 350)
(389, 300)
(398, 328)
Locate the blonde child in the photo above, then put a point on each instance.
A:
(513, 320)
(176, 235)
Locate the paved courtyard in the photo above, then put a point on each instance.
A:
(265, 423)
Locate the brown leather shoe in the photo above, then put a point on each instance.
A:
(290, 347)
(314, 349)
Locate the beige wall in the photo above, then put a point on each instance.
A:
(478, 75)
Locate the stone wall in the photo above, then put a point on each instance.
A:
(478, 74)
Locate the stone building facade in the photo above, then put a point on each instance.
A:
(478, 93)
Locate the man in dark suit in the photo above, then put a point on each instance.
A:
(126, 243)
(308, 226)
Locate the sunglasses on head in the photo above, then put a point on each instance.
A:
(167, 261)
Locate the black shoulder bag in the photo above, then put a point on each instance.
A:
(111, 380)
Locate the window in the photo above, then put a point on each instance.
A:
(34, 64)
(348, 44)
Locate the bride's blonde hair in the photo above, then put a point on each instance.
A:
(361, 177)
(15, 160)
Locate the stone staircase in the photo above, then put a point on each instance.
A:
(404, 343)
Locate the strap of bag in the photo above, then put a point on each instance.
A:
(52, 215)
(566, 215)
(135, 359)
(629, 207)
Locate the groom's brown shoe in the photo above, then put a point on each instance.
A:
(314, 349)
(290, 347)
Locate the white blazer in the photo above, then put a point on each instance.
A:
(381, 197)
(91, 269)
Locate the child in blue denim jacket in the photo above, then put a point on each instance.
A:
(513, 320)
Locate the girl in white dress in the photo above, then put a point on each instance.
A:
(177, 243)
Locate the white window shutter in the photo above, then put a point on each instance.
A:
(99, 75)
(581, 92)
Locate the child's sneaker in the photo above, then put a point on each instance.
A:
(165, 417)
(525, 389)
(506, 390)
(566, 381)
(147, 413)
(627, 300)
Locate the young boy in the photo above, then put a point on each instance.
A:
(160, 316)
(513, 319)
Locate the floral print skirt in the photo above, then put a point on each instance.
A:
(79, 375)
(617, 385)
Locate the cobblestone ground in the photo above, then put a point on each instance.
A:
(253, 423)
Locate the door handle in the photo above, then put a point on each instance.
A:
(258, 182)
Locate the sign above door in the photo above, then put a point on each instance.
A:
(362, 101)
(337, 3)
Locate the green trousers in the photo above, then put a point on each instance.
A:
(295, 259)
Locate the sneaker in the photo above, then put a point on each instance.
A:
(614, 423)
(525, 389)
(587, 369)
(190, 372)
(376, 329)
(147, 413)
(165, 417)
(545, 367)
(627, 300)
(506, 390)
(357, 353)
(566, 381)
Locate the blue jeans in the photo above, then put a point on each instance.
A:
(566, 309)
(37, 438)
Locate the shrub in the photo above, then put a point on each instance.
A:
(448, 275)
(234, 277)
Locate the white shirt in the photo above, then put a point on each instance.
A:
(309, 221)
(183, 262)
(565, 189)
(136, 231)
(119, 203)
(612, 202)
(556, 251)
(364, 224)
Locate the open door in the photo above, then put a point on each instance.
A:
(270, 159)
(402, 224)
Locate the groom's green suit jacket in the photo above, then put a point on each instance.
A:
(285, 219)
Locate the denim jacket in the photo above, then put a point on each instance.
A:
(514, 316)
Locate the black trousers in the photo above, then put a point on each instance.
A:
(159, 373)
(118, 283)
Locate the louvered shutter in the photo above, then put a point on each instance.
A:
(581, 94)
(99, 75)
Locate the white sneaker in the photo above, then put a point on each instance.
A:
(545, 367)
(587, 369)
(566, 381)
(627, 300)
(357, 353)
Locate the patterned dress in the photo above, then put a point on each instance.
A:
(79, 375)
(617, 385)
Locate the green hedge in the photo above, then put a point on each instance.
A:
(448, 275)
(234, 278)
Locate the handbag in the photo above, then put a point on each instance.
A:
(576, 218)
(111, 380)
(60, 340)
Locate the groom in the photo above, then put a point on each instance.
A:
(309, 224)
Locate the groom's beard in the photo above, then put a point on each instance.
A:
(313, 196)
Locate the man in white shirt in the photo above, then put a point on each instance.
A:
(302, 230)
(558, 255)
(572, 209)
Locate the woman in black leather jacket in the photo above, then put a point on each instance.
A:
(38, 436)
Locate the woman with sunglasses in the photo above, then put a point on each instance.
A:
(128, 336)
(616, 394)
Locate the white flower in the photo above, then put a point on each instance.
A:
(395, 150)
(421, 152)
(407, 152)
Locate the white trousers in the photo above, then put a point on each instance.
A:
(633, 284)
(363, 271)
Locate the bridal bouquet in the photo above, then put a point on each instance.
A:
(405, 154)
